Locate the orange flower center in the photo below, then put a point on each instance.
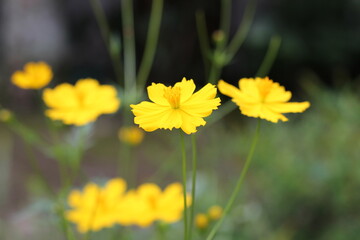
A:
(172, 95)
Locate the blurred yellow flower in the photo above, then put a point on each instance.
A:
(5, 115)
(82, 103)
(201, 221)
(153, 204)
(263, 98)
(215, 212)
(96, 208)
(131, 135)
(176, 107)
(34, 76)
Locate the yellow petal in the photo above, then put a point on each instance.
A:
(156, 93)
(189, 123)
(187, 88)
(171, 119)
(148, 115)
(250, 89)
(228, 89)
(292, 107)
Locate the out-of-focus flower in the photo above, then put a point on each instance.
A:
(131, 135)
(5, 115)
(262, 98)
(176, 107)
(81, 103)
(34, 76)
(98, 207)
(153, 204)
(215, 212)
(201, 221)
(95, 208)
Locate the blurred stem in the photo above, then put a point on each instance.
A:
(225, 21)
(270, 56)
(242, 30)
(183, 151)
(193, 186)
(215, 72)
(151, 42)
(69, 234)
(106, 35)
(127, 13)
(238, 183)
(203, 39)
(36, 168)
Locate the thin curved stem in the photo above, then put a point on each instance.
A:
(238, 184)
(242, 30)
(270, 56)
(193, 184)
(183, 151)
(203, 39)
(151, 42)
(114, 53)
(127, 13)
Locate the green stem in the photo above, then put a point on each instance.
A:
(127, 13)
(203, 39)
(106, 35)
(242, 30)
(183, 151)
(270, 56)
(238, 183)
(151, 42)
(225, 21)
(215, 72)
(193, 186)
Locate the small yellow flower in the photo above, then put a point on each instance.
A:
(131, 135)
(95, 208)
(5, 115)
(34, 76)
(262, 98)
(215, 212)
(82, 103)
(176, 107)
(201, 221)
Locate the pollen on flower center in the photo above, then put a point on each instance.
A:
(172, 95)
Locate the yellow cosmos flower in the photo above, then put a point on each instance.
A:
(82, 103)
(176, 107)
(263, 98)
(34, 76)
(131, 135)
(96, 208)
(201, 221)
(215, 212)
(154, 204)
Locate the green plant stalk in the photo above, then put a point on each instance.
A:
(242, 30)
(225, 21)
(215, 72)
(203, 40)
(106, 35)
(64, 224)
(270, 56)
(127, 13)
(193, 186)
(183, 151)
(151, 42)
(238, 184)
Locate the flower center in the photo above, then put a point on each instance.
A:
(172, 95)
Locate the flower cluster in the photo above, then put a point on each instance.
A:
(99, 207)
(81, 103)
(34, 76)
(202, 220)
